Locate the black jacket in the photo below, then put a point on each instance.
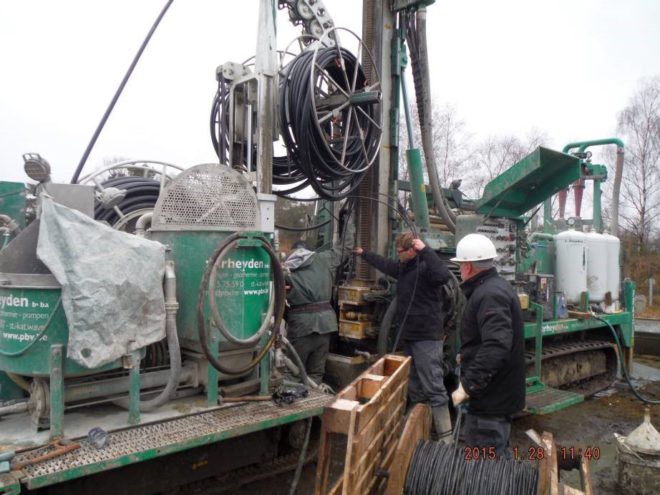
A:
(424, 275)
(492, 346)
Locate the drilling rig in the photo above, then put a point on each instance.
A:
(153, 334)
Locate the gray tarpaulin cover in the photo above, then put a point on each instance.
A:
(112, 290)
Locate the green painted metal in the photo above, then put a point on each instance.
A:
(31, 321)
(9, 484)
(540, 255)
(8, 389)
(125, 460)
(571, 325)
(526, 184)
(13, 201)
(538, 338)
(212, 374)
(583, 145)
(555, 399)
(134, 390)
(418, 189)
(56, 390)
(242, 285)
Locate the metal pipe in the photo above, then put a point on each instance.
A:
(114, 386)
(618, 173)
(616, 191)
(19, 407)
(143, 223)
(583, 145)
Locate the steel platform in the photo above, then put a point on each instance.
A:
(149, 441)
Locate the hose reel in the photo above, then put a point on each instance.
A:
(328, 113)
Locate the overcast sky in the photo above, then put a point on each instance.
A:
(564, 66)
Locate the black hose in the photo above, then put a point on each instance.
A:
(301, 366)
(623, 365)
(92, 142)
(278, 305)
(385, 327)
(301, 459)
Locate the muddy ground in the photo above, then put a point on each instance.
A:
(589, 424)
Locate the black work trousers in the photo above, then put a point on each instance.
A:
(489, 432)
(426, 379)
(313, 351)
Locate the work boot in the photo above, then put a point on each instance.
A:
(442, 423)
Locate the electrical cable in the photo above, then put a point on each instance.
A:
(104, 119)
(623, 365)
(438, 468)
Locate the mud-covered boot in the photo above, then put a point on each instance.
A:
(442, 424)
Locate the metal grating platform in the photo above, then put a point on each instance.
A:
(153, 440)
(546, 400)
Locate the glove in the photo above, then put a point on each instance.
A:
(459, 395)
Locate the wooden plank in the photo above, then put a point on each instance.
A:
(369, 385)
(417, 427)
(370, 412)
(336, 416)
(585, 476)
(323, 461)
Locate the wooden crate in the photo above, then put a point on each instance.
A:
(369, 412)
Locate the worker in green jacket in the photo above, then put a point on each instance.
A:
(310, 317)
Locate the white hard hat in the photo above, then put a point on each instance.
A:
(475, 247)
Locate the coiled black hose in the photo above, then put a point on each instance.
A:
(280, 297)
(438, 468)
(141, 193)
(330, 156)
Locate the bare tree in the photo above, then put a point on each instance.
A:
(496, 154)
(639, 125)
(452, 147)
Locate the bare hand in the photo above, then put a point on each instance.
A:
(358, 251)
(418, 244)
(459, 395)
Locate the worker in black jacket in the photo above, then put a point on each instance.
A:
(420, 275)
(492, 349)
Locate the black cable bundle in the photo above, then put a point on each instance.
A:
(141, 193)
(437, 468)
(332, 155)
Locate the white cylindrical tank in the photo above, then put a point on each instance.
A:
(613, 267)
(597, 265)
(571, 264)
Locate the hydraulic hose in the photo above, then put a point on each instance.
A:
(108, 111)
(301, 367)
(171, 307)
(277, 308)
(301, 458)
(420, 66)
(624, 371)
(385, 327)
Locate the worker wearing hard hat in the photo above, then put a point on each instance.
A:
(492, 348)
(420, 275)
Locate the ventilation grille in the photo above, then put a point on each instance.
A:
(207, 197)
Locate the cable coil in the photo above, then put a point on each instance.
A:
(438, 468)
